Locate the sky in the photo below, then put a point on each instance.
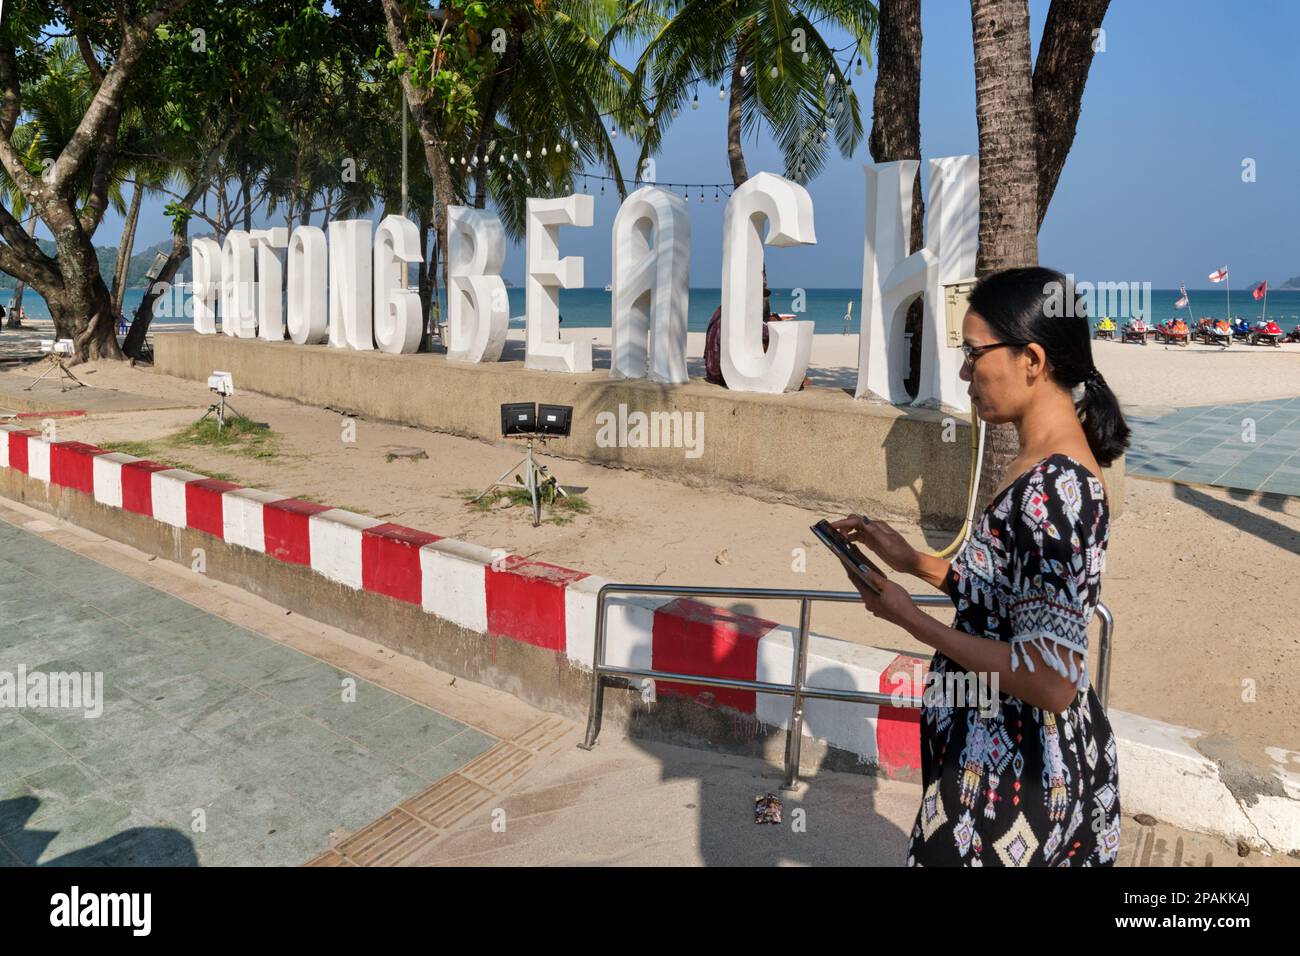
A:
(1184, 92)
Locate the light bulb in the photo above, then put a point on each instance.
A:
(830, 79)
(528, 154)
(559, 147)
(774, 72)
(514, 157)
(858, 69)
(575, 144)
(543, 150)
(674, 112)
(744, 71)
(722, 93)
(826, 134)
(695, 103)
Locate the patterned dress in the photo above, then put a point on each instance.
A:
(1011, 784)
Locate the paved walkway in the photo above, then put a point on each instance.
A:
(217, 701)
(1212, 445)
(215, 745)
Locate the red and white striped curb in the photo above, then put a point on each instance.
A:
(548, 606)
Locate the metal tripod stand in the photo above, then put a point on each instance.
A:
(535, 475)
(218, 409)
(56, 362)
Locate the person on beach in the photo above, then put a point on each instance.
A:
(713, 341)
(1034, 780)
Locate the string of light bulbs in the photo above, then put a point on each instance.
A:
(719, 189)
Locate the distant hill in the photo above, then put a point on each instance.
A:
(135, 272)
(1291, 283)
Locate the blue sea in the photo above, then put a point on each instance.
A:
(589, 308)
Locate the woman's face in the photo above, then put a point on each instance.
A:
(998, 386)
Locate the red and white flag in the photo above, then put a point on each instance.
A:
(1182, 303)
(1261, 290)
(1220, 275)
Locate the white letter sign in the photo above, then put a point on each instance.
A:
(238, 315)
(891, 278)
(270, 280)
(648, 307)
(350, 320)
(478, 309)
(307, 285)
(787, 209)
(206, 277)
(547, 275)
(397, 319)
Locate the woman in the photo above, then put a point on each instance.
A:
(1035, 782)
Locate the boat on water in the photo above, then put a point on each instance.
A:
(609, 287)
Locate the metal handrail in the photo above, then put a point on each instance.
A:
(798, 690)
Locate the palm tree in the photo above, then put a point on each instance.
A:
(782, 72)
(1027, 115)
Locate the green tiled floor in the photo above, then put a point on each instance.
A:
(216, 746)
(1209, 444)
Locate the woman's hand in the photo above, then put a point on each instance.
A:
(892, 604)
(882, 539)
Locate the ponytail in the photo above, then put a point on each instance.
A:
(1103, 422)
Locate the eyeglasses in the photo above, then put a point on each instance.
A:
(972, 352)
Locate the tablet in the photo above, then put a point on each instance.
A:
(849, 552)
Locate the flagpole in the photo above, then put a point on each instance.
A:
(1264, 312)
(1227, 280)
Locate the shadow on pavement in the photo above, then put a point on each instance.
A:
(135, 846)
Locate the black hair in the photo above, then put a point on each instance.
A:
(1040, 306)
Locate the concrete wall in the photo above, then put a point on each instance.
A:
(819, 447)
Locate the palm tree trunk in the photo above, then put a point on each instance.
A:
(500, 82)
(1008, 181)
(124, 247)
(735, 152)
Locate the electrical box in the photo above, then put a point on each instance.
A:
(956, 296)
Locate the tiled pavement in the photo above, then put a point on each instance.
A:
(1208, 444)
(216, 745)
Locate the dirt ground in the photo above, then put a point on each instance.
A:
(1202, 581)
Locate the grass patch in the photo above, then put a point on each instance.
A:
(137, 449)
(562, 511)
(239, 436)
